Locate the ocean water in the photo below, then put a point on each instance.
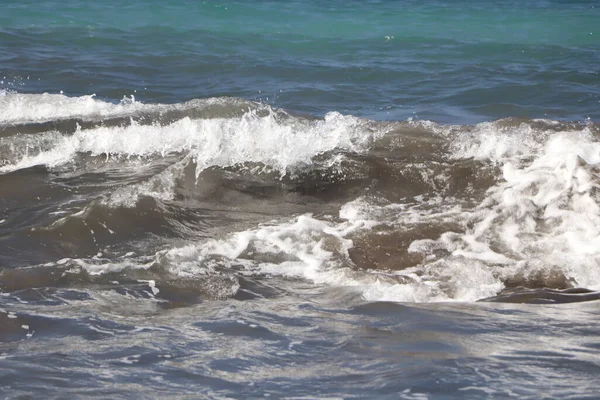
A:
(299, 199)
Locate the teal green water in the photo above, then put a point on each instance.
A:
(453, 61)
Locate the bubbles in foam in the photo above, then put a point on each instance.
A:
(490, 142)
(210, 142)
(542, 222)
(22, 108)
(497, 141)
(317, 250)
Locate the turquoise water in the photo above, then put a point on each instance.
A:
(454, 61)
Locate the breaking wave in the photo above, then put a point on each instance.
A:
(223, 189)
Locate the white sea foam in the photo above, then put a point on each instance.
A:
(23, 108)
(211, 142)
(317, 250)
(541, 221)
(489, 141)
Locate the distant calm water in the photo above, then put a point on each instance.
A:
(299, 199)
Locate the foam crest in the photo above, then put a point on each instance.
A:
(23, 108)
(489, 141)
(497, 141)
(270, 139)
